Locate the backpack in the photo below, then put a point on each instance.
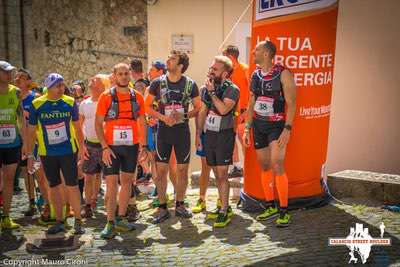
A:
(187, 92)
(113, 110)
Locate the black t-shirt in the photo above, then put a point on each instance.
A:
(171, 97)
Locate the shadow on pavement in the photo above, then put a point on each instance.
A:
(10, 240)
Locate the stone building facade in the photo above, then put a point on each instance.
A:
(75, 38)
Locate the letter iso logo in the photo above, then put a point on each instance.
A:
(360, 242)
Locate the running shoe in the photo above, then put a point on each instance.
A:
(214, 214)
(78, 228)
(87, 212)
(8, 223)
(122, 225)
(222, 220)
(57, 228)
(108, 231)
(200, 206)
(132, 213)
(31, 211)
(163, 214)
(283, 219)
(269, 213)
(183, 212)
(235, 172)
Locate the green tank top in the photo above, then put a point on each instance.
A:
(9, 134)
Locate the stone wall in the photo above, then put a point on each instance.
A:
(81, 38)
(10, 31)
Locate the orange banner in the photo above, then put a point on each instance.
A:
(304, 33)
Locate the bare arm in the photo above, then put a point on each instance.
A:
(196, 107)
(143, 130)
(79, 134)
(98, 125)
(81, 120)
(31, 138)
(30, 143)
(289, 89)
(23, 125)
(250, 109)
(150, 110)
(201, 118)
(249, 120)
(223, 107)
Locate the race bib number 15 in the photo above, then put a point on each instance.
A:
(122, 135)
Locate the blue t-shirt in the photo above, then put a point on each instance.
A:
(56, 134)
(26, 103)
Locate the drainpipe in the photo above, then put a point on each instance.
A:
(23, 48)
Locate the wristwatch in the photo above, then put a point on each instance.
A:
(288, 127)
(212, 93)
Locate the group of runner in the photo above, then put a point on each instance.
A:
(127, 120)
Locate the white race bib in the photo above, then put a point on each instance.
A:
(264, 106)
(56, 133)
(122, 135)
(8, 133)
(213, 122)
(170, 108)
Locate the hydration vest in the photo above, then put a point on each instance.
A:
(186, 96)
(270, 86)
(113, 110)
(219, 91)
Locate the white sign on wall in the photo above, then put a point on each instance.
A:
(182, 42)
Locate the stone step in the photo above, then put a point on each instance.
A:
(233, 182)
(384, 188)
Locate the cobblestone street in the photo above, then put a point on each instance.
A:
(179, 242)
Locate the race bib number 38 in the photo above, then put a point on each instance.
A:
(122, 135)
(8, 133)
(264, 106)
(56, 133)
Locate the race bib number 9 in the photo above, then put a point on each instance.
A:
(122, 135)
(56, 133)
(8, 134)
(264, 106)
(213, 122)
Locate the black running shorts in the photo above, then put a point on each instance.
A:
(218, 147)
(93, 165)
(125, 161)
(67, 164)
(266, 132)
(177, 137)
(10, 156)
